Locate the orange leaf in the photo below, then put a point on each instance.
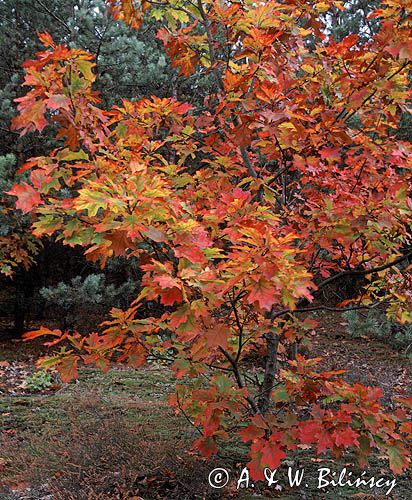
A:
(46, 39)
(68, 368)
(40, 332)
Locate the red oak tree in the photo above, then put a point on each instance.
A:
(289, 179)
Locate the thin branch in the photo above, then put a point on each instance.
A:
(365, 272)
(337, 309)
(358, 176)
(343, 114)
(238, 378)
(240, 329)
(351, 272)
(246, 160)
(54, 16)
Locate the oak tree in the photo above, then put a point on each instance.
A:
(241, 212)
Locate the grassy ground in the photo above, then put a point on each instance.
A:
(106, 436)
(112, 436)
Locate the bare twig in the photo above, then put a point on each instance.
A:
(54, 16)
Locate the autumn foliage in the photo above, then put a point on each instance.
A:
(289, 179)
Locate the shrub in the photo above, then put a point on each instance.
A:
(376, 325)
(79, 301)
(39, 381)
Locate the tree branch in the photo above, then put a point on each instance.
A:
(336, 277)
(238, 378)
(53, 15)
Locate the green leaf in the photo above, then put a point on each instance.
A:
(85, 68)
(280, 395)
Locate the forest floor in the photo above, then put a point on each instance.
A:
(112, 435)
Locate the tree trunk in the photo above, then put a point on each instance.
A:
(19, 311)
(271, 370)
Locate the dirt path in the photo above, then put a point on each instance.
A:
(366, 360)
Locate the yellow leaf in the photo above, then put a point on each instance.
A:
(322, 7)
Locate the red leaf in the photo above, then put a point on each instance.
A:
(27, 196)
(323, 441)
(263, 293)
(251, 432)
(272, 454)
(346, 437)
(39, 178)
(192, 253)
(206, 446)
(170, 296)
